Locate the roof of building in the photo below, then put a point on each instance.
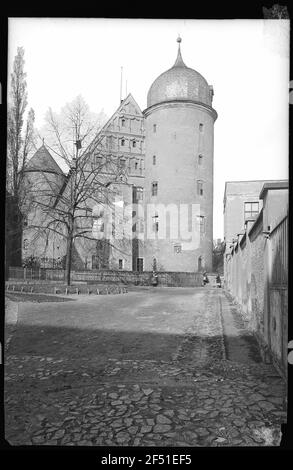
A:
(283, 184)
(251, 186)
(179, 83)
(43, 161)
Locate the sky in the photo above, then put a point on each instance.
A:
(246, 61)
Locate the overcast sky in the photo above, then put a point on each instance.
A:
(246, 61)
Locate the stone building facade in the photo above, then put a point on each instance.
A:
(165, 155)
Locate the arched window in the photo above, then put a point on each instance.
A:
(155, 128)
(136, 165)
(200, 159)
(201, 127)
(154, 159)
(133, 143)
(122, 142)
(123, 122)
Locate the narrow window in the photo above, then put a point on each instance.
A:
(123, 122)
(122, 142)
(200, 159)
(156, 222)
(154, 160)
(136, 165)
(199, 264)
(155, 128)
(154, 188)
(139, 264)
(133, 143)
(200, 188)
(122, 162)
(201, 127)
(201, 223)
(110, 141)
(139, 194)
(120, 263)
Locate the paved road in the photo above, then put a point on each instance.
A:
(154, 367)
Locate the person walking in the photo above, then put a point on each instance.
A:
(218, 280)
(205, 279)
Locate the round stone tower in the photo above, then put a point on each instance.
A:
(179, 125)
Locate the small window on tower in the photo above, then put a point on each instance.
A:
(123, 122)
(200, 188)
(120, 265)
(201, 127)
(155, 128)
(154, 188)
(200, 159)
(133, 143)
(122, 142)
(201, 223)
(154, 159)
(136, 165)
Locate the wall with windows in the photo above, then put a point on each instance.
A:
(241, 202)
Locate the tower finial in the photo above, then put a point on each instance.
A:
(179, 62)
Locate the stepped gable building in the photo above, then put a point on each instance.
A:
(165, 156)
(179, 123)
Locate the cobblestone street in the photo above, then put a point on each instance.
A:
(153, 367)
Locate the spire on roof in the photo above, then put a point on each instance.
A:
(179, 62)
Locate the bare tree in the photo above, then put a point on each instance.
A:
(20, 142)
(68, 211)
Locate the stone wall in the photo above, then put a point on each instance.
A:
(255, 270)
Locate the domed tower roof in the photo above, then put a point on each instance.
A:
(180, 83)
